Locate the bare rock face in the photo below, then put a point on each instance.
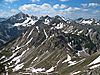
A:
(53, 46)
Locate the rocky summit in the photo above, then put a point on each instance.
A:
(49, 46)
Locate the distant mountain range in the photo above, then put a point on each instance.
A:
(49, 46)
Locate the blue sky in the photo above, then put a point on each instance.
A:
(67, 8)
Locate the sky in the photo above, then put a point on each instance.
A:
(67, 8)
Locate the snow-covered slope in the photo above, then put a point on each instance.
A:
(27, 22)
(87, 21)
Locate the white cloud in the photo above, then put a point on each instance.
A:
(10, 1)
(63, 6)
(90, 5)
(26, 7)
(2, 14)
(14, 11)
(64, 0)
(85, 10)
(35, 9)
(72, 9)
(57, 9)
(97, 11)
(93, 4)
(57, 6)
(46, 6)
(8, 13)
(84, 5)
(35, 0)
(43, 9)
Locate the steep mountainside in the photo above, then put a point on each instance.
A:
(53, 46)
(13, 27)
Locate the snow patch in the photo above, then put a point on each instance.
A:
(45, 33)
(63, 18)
(97, 60)
(2, 57)
(95, 66)
(29, 41)
(54, 24)
(75, 73)
(17, 59)
(17, 24)
(51, 28)
(87, 22)
(80, 32)
(59, 26)
(38, 70)
(6, 68)
(27, 20)
(65, 32)
(32, 22)
(50, 70)
(68, 59)
(18, 67)
(47, 21)
(83, 53)
(17, 48)
(25, 23)
(71, 63)
(35, 59)
(37, 29)
(52, 35)
(30, 33)
(69, 44)
(11, 57)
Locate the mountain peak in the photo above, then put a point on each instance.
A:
(59, 18)
(20, 17)
(20, 13)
